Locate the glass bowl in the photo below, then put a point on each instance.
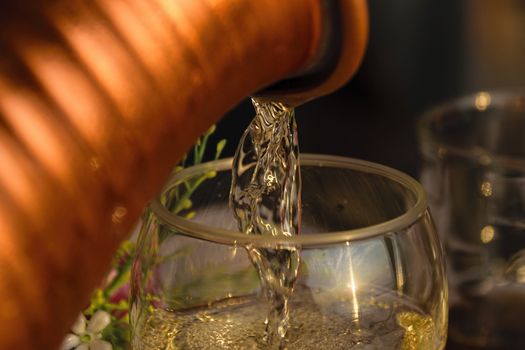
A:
(371, 274)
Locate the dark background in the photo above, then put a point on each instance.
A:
(420, 53)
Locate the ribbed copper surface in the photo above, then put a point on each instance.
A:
(98, 100)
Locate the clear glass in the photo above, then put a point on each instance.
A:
(474, 172)
(371, 273)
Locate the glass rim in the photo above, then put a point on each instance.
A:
(484, 156)
(230, 237)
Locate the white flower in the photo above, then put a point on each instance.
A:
(87, 335)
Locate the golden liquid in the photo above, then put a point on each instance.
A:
(317, 321)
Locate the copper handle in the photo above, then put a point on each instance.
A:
(98, 100)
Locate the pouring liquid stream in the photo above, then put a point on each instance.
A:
(265, 199)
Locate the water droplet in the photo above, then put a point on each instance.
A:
(118, 215)
(94, 163)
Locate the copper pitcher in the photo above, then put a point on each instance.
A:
(100, 98)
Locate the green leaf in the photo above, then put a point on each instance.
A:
(211, 130)
(118, 334)
(220, 147)
(186, 203)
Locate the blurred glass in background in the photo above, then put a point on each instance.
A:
(474, 173)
